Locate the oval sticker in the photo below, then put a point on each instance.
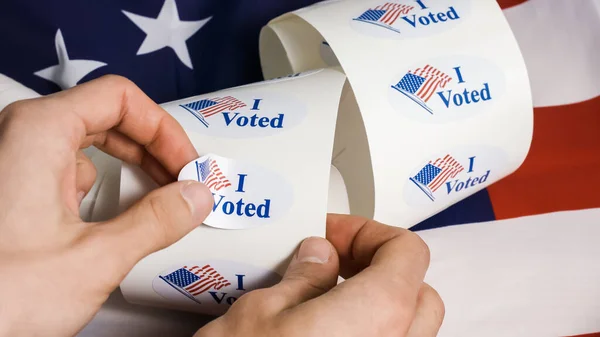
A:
(210, 287)
(454, 175)
(446, 89)
(242, 114)
(410, 18)
(245, 195)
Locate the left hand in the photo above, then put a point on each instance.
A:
(55, 269)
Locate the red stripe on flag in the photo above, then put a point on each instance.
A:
(560, 171)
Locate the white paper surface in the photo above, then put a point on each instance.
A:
(273, 143)
(442, 104)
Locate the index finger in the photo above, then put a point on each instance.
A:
(115, 103)
(393, 262)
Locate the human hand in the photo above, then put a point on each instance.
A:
(55, 269)
(383, 295)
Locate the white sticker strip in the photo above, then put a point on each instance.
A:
(245, 195)
(267, 160)
(429, 80)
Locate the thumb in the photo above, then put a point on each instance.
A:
(312, 272)
(160, 219)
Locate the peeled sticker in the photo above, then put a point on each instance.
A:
(211, 286)
(244, 114)
(446, 89)
(453, 175)
(410, 18)
(245, 195)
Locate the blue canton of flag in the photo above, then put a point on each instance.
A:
(199, 105)
(372, 15)
(421, 84)
(385, 15)
(180, 280)
(433, 175)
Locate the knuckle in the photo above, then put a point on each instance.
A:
(257, 302)
(307, 281)
(160, 220)
(117, 81)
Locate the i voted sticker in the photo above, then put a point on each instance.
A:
(245, 195)
(454, 175)
(239, 115)
(410, 18)
(446, 89)
(212, 286)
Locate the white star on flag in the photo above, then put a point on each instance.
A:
(67, 72)
(167, 30)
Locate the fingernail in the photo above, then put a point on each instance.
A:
(315, 250)
(198, 198)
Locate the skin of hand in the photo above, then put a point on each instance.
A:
(383, 293)
(55, 269)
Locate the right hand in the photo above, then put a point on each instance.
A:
(383, 295)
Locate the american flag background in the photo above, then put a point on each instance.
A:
(210, 174)
(208, 107)
(196, 280)
(433, 175)
(422, 83)
(559, 40)
(385, 14)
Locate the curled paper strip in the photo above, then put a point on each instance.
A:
(416, 104)
(245, 195)
(425, 79)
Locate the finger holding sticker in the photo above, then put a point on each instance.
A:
(388, 297)
(245, 195)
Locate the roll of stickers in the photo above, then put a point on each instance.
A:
(266, 157)
(438, 107)
(417, 104)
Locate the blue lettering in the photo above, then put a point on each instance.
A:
(445, 99)
(216, 297)
(431, 17)
(217, 203)
(263, 122)
(242, 121)
(458, 100)
(412, 22)
(458, 185)
(471, 164)
(228, 207)
(229, 119)
(250, 208)
(240, 282)
(466, 97)
(254, 120)
(241, 181)
(241, 208)
(256, 103)
(231, 300)
(420, 2)
(459, 75)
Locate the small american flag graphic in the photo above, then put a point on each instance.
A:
(433, 175)
(208, 107)
(385, 15)
(194, 281)
(420, 84)
(210, 174)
